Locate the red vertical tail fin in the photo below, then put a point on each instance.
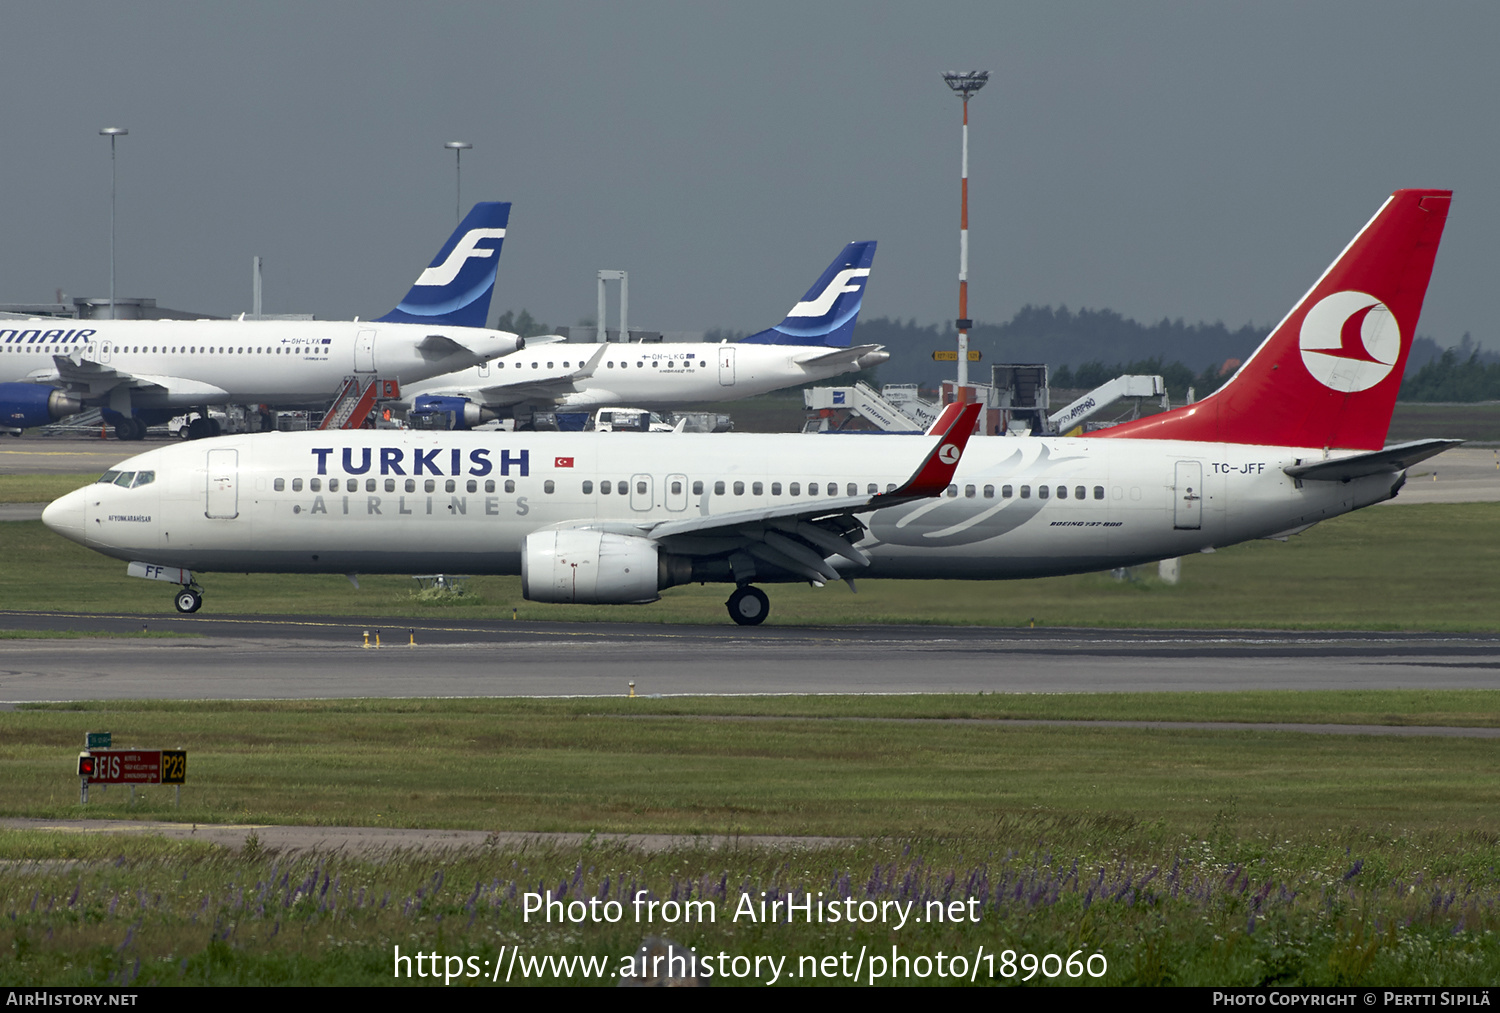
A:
(1328, 374)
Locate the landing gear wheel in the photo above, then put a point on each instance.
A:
(189, 600)
(749, 606)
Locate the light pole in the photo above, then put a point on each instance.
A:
(112, 133)
(964, 83)
(458, 148)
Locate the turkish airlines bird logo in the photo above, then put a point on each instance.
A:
(1350, 341)
(948, 454)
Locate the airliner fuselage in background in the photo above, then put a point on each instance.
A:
(1294, 438)
(812, 343)
(142, 372)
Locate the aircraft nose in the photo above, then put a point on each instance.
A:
(67, 515)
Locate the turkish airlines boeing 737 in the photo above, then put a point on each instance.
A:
(142, 372)
(1295, 437)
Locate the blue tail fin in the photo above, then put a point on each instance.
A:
(456, 288)
(826, 315)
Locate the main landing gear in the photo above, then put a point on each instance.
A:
(130, 428)
(748, 606)
(189, 599)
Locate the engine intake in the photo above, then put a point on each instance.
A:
(584, 567)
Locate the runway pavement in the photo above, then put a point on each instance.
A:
(308, 657)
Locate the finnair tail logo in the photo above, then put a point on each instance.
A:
(444, 273)
(838, 286)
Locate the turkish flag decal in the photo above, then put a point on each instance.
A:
(562, 462)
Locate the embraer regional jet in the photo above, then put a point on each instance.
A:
(142, 372)
(1295, 437)
(812, 343)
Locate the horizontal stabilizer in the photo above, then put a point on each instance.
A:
(1377, 462)
(851, 354)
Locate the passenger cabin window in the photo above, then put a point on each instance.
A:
(1062, 492)
(812, 489)
(510, 485)
(604, 488)
(450, 486)
(333, 485)
(369, 485)
(473, 485)
(775, 488)
(757, 489)
(411, 485)
(279, 485)
(390, 485)
(489, 485)
(951, 491)
(698, 488)
(676, 487)
(1098, 492)
(739, 489)
(718, 488)
(795, 489)
(588, 488)
(1025, 492)
(969, 491)
(296, 485)
(989, 492)
(1041, 492)
(315, 484)
(549, 487)
(1081, 492)
(429, 486)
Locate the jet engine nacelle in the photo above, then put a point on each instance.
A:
(23, 405)
(585, 567)
(466, 414)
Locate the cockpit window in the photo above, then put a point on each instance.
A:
(124, 479)
(143, 478)
(108, 478)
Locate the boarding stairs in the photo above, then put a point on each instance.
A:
(356, 399)
(895, 409)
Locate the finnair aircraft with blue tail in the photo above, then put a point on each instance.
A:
(812, 343)
(143, 372)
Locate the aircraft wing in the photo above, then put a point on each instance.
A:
(1396, 458)
(800, 537)
(545, 385)
(852, 354)
(92, 380)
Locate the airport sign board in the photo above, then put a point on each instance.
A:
(952, 356)
(133, 766)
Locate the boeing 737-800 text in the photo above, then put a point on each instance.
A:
(1294, 438)
(142, 372)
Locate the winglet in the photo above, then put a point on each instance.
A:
(937, 470)
(945, 418)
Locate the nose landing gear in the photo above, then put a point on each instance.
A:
(189, 599)
(748, 606)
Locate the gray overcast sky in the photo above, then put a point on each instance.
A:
(1160, 159)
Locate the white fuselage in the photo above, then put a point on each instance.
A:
(181, 363)
(465, 502)
(650, 376)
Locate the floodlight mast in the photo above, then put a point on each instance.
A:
(964, 83)
(112, 133)
(458, 148)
